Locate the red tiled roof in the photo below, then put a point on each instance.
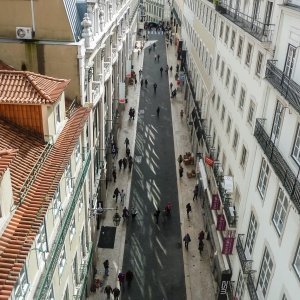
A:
(6, 157)
(20, 233)
(4, 66)
(29, 88)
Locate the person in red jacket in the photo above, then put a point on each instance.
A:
(121, 278)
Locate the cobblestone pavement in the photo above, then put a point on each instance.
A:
(198, 278)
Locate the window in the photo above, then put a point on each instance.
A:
(251, 113)
(68, 175)
(210, 126)
(223, 113)
(213, 98)
(252, 229)
(218, 150)
(240, 287)
(214, 138)
(77, 151)
(242, 99)
(203, 50)
(218, 105)
(80, 202)
(82, 243)
(226, 34)
(263, 177)
(224, 162)
(50, 294)
(234, 84)
(210, 18)
(258, 64)
(221, 30)
(248, 56)
(215, 21)
(72, 228)
(222, 69)
(280, 211)
(62, 261)
(210, 66)
(206, 58)
(289, 61)
(228, 129)
(228, 77)
(296, 263)
(21, 286)
(56, 202)
(57, 115)
(218, 61)
(296, 149)
(206, 17)
(277, 122)
(66, 295)
(235, 139)
(240, 48)
(41, 239)
(75, 270)
(243, 157)
(232, 40)
(265, 273)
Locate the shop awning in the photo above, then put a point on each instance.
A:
(176, 16)
(203, 174)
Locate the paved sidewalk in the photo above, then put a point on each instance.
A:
(198, 277)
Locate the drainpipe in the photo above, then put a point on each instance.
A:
(32, 16)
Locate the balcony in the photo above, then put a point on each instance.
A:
(97, 91)
(114, 55)
(120, 44)
(107, 70)
(288, 88)
(261, 31)
(283, 171)
(245, 263)
(251, 286)
(47, 277)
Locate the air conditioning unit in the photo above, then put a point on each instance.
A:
(24, 33)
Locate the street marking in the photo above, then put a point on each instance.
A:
(138, 159)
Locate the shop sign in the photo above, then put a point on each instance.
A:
(209, 161)
(225, 280)
(227, 245)
(221, 222)
(122, 92)
(128, 68)
(216, 203)
(228, 184)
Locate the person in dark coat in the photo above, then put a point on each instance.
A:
(201, 245)
(116, 194)
(130, 164)
(188, 210)
(157, 111)
(107, 291)
(126, 142)
(127, 152)
(156, 215)
(146, 83)
(129, 277)
(114, 174)
(186, 240)
(124, 163)
(142, 82)
(120, 163)
(161, 70)
(180, 171)
(155, 87)
(116, 292)
(201, 236)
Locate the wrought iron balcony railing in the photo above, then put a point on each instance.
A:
(287, 177)
(251, 286)
(261, 31)
(284, 84)
(245, 263)
(60, 240)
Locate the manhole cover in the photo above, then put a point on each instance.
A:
(138, 159)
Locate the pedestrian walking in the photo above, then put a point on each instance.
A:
(200, 247)
(146, 83)
(177, 68)
(126, 142)
(130, 113)
(155, 87)
(128, 152)
(122, 195)
(164, 215)
(167, 68)
(135, 82)
(155, 57)
(171, 69)
(114, 174)
(113, 150)
(195, 191)
(186, 240)
(156, 215)
(169, 208)
(180, 171)
(106, 267)
(157, 111)
(138, 52)
(114, 167)
(130, 164)
(158, 57)
(171, 41)
(161, 70)
(125, 214)
(133, 213)
(142, 81)
(125, 163)
(171, 86)
(181, 114)
(121, 278)
(133, 113)
(188, 210)
(116, 193)
(129, 277)
(107, 291)
(179, 159)
(201, 236)
(116, 292)
(154, 45)
(120, 164)
(167, 44)
(149, 49)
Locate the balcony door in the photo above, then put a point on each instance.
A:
(256, 7)
(277, 123)
(289, 61)
(268, 16)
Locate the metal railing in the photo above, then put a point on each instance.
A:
(287, 177)
(245, 263)
(284, 84)
(107, 70)
(251, 286)
(261, 31)
(84, 268)
(60, 240)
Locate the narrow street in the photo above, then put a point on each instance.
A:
(154, 252)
